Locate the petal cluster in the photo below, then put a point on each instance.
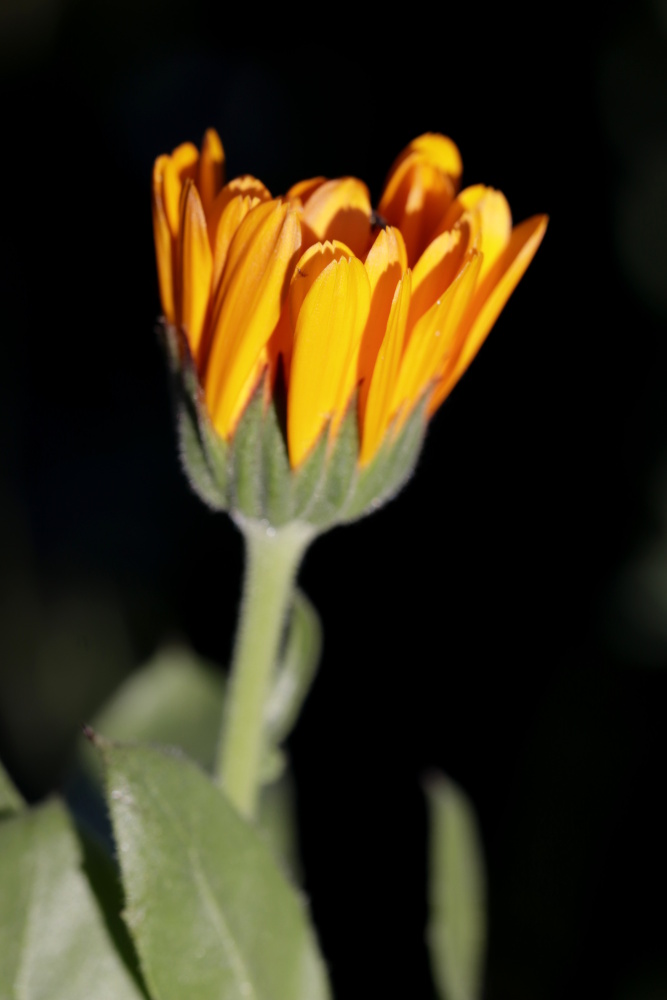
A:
(381, 308)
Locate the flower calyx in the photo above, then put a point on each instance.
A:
(250, 476)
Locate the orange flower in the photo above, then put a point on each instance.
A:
(394, 304)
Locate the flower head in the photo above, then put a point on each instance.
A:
(376, 314)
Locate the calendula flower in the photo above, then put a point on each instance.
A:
(364, 320)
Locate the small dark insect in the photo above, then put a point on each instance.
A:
(377, 221)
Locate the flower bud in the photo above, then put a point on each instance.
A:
(310, 338)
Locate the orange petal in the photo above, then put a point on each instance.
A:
(465, 201)
(341, 210)
(231, 218)
(197, 268)
(415, 199)
(309, 267)
(164, 242)
(180, 166)
(245, 185)
(435, 270)
(211, 169)
(434, 339)
(491, 295)
(493, 221)
(420, 186)
(388, 248)
(377, 413)
(326, 342)
(280, 344)
(385, 265)
(304, 189)
(253, 288)
(436, 149)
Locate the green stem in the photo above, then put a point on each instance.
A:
(272, 561)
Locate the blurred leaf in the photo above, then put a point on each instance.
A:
(10, 800)
(296, 671)
(212, 916)
(175, 700)
(294, 677)
(55, 942)
(277, 823)
(457, 925)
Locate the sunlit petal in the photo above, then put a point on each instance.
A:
(252, 290)
(438, 150)
(377, 412)
(326, 342)
(415, 200)
(435, 338)
(490, 297)
(341, 210)
(164, 242)
(419, 189)
(385, 265)
(304, 189)
(309, 267)
(180, 166)
(245, 186)
(211, 169)
(231, 218)
(465, 201)
(435, 270)
(197, 268)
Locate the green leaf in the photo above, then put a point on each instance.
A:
(211, 914)
(10, 800)
(457, 925)
(296, 671)
(55, 942)
(175, 700)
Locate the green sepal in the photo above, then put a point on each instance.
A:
(216, 451)
(340, 472)
(252, 477)
(203, 453)
(310, 475)
(247, 494)
(277, 479)
(391, 467)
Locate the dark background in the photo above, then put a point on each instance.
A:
(505, 619)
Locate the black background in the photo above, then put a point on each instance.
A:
(505, 619)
